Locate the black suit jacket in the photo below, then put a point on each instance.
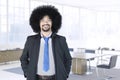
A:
(62, 58)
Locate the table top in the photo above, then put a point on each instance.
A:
(87, 55)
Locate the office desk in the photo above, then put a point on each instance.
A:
(79, 63)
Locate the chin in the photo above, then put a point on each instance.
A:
(46, 30)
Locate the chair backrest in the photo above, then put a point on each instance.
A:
(89, 51)
(113, 60)
(71, 49)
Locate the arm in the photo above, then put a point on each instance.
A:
(67, 56)
(24, 59)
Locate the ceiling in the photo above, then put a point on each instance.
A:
(100, 5)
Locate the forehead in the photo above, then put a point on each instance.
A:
(46, 17)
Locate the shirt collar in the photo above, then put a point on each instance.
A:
(47, 36)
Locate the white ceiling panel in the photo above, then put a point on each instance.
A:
(106, 5)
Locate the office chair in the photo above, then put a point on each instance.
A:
(71, 49)
(89, 51)
(111, 65)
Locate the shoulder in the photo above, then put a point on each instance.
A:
(60, 37)
(33, 36)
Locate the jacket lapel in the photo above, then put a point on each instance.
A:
(36, 47)
(53, 44)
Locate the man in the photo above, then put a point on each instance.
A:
(46, 55)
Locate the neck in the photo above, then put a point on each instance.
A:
(46, 34)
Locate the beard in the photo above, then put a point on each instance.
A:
(46, 27)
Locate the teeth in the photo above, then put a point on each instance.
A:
(46, 25)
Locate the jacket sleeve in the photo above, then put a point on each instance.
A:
(24, 59)
(67, 56)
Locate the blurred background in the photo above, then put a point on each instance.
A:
(86, 23)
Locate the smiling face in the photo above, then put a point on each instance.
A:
(45, 24)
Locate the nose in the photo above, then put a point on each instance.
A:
(45, 22)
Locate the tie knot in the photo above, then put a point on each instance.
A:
(46, 39)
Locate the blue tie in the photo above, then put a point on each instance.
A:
(46, 55)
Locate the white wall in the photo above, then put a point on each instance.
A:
(82, 27)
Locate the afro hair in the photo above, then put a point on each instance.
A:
(41, 11)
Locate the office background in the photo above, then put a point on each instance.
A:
(83, 26)
(87, 25)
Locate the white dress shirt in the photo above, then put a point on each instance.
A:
(40, 70)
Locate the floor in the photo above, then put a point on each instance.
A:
(6, 75)
(12, 71)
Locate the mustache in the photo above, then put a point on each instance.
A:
(46, 25)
